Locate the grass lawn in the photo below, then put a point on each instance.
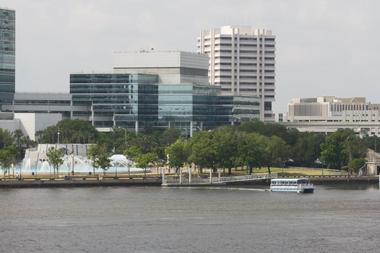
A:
(299, 171)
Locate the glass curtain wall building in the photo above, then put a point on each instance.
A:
(114, 99)
(7, 56)
(192, 107)
(139, 102)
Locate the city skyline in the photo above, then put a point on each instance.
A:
(323, 48)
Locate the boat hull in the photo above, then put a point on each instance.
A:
(292, 189)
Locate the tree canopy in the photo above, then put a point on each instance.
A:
(68, 131)
(55, 157)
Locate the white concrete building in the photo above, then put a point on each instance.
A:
(242, 62)
(328, 114)
(30, 123)
(172, 67)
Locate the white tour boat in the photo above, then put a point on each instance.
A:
(299, 185)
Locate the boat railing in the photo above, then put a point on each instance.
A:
(306, 185)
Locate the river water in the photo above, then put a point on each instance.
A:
(153, 219)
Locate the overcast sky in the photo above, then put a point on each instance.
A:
(324, 47)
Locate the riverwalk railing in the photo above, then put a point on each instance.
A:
(243, 178)
(185, 179)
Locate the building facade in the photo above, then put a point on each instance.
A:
(172, 67)
(242, 62)
(139, 101)
(36, 102)
(194, 107)
(7, 56)
(110, 100)
(328, 114)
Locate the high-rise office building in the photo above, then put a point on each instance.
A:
(242, 62)
(7, 56)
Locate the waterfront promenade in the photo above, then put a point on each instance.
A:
(172, 180)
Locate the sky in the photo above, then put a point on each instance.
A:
(323, 47)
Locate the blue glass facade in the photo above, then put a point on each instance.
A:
(114, 98)
(138, 102)
(201, 107)
(7, 56)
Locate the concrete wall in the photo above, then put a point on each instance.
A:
(166, 64)
(30, 123)
(10, 125)
(160, 59)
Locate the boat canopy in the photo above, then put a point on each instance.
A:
(291, 180)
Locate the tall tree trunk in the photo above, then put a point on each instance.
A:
(269, 171)
(229, 171)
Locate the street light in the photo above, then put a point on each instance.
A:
(58, 133)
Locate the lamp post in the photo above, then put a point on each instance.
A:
(72, 163)
(58, 133)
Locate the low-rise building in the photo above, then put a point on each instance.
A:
(328, 114)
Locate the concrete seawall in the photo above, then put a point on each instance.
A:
(43, 183)
(156, 181)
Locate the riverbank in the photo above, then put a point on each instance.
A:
(79, 182)
(156, 181)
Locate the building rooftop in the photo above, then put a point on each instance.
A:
(247, 30)
(160, 59)
(331, 99)
(6, 8)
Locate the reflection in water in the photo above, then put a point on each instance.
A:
(153, 219)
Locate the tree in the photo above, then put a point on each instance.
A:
(6, 138)
(103, 162)
(341, 147)
(354, 147)
(356, 164)
(70, 131)
(276, 152)
(178, 153)
(21, 142)
(145, 160)
(250, 149)
(307, 148)
(99, 157)
(55, 157)
(226, 140)
(168, 136)
(203, 151)
(269, 129)
(372, 142)
(7, 157)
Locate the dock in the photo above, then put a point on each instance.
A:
(187, 180)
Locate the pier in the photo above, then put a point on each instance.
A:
(188, 180)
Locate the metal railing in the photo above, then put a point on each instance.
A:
(184, 179)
